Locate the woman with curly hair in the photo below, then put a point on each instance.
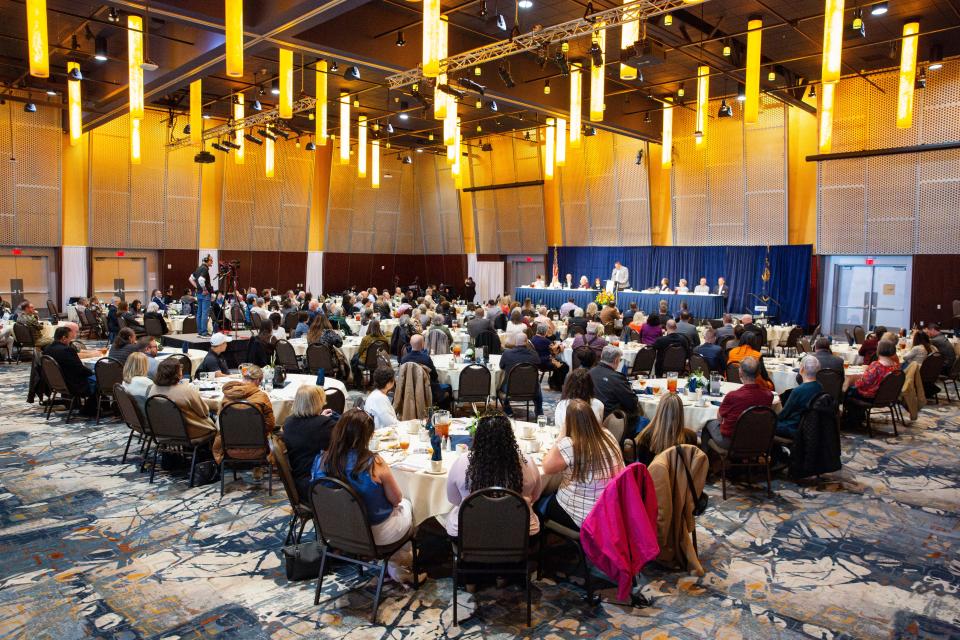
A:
(494, 461)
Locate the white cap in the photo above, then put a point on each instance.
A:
(218, 339)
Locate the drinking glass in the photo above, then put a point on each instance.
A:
(441, 423)
(672, 382)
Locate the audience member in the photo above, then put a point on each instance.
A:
(196, 415)
(613, 389)
(686, 328)
(726, 329)
(378, 404)
(27, 316)
(750, 394)
(798, 399)
(666, 430)
(669, 339)
(919, 350)
(867, 386)
(590, 339)
(77, 377)
(214, 362)
(651, 330)
(516, 353)
(711, 351)
(136, 377)
(578, 386)
(247, 389)
(307, 433)
(826, 358)
(868, 350)
(939, 342)
(124, 344)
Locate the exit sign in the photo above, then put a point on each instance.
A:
(870, 261)
(17, 252)
(120, 254)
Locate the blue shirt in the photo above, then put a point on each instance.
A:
(789, 419)
(373, 495)
(302, 329)
(421, 357)
(713, 354)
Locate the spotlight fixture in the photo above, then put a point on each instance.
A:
(596, 54)
(588, 13)
(772, 75)
(311, 146)
(741, 92)
(407, 159)
(493, 106)
(451, 91)
(698, 135)
(206, 115)
(501, 22)
(400, 41)
(589, 131)
(483, 8)
(100, 49)
(333, 67)
(389, 128)
(478, 71)
(204, 157)
(506, 77)
(467, 83)
(936, 58)
(546, 87)
(526, 135)
(266, 134)
(813, 91)
(639, 156)
(921, 81)
(113, 15)
(219, 147)
(352, 73)
(727, 51)
(51, 92)
(229, 144)
(249, 137)
(668, 20)
(186, 130)
(30, 108)
(879, 9)
(75, 74)
(275, 87)
(256, 106)
(857, 28)
(560, 59)
(646, 118)
(149, 65)
(486, 146)
(525, 4)
(726, 110)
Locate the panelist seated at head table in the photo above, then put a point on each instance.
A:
(682, 286)
(703, 287)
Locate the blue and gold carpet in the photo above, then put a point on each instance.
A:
(89, 549)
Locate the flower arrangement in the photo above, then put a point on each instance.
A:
(604, 297)
(697, 380)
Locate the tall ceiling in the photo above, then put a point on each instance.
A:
(185, 38)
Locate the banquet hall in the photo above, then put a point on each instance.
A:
(430, 319)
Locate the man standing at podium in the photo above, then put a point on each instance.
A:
(620, 276)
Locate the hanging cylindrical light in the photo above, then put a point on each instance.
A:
(666, 150)
(703, 102)
(629, 34)
(37, 38)
(134, 141)
(832, 41)
(431, 38)
(828, 94)
(456, 169)
(561, 142)
(908, 73)
(286, 84)
(74, 105)
(268, 157)
(321, 105)
(751, 108)
(233, 18)
(196, 112)
(576, 102)
(134, 65)
(375, 164)
(344, 127)
(597, 75)
(441, 100)
(550, 151)
(238, 115)
(362, 147)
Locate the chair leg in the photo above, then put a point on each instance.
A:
(53, 396)
(767, 465)
(416, 563)
(123, 460)
(73, 403)
(526, 577)
(723, 476)
(153, 467)
(323, 565)
(99, 405)
(145, 455)
(869, 424)
(290, 528)
(193, 465)
(269, 479)
(376, 597)
(221, 478)
(456, 587)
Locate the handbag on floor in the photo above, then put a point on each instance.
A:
(302, 560)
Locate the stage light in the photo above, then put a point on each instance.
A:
(727, 51)
(629, 34)
(204, 157)
(238, 116)
(666, 137)
(407, 159)
(936, 58)
(186, 130)
(589, 131)
(135, 59)
(827, 97)
(37, 38)
(703, 101)
(576, 104)
(352, 73)
(597, 76)
(344, 128)
(431, 38)
(681, 91)
(29, 108)
(505, 76)
(483, 8)
(220, 147)
(400, 41)
(525, 4)
(908, 72)
(134, 141)
(113, 15)
(196, 112)
(561, 142)
(375, 164)
(249, 137)
(256, 106)
(269, 135)
(285, 108)
(921, 82)
(725, 111)
(751, 110)
(274, 88)
(389, 128)
(741, 92)
(668, 20)
(467, 83)
(233, 18)
(268, 159)
(857, 27)
(477, 71)
(879, 9)
(51, 92)
(501, 22)
(493, 106)
(362, 146)
(560, 59)
(206, 114)
(100, 49)
(772, 76)
(311, 146)
(75, 110)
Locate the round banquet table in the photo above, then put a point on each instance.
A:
(426, 491)
(446, 375)
(281, 399)
(629, 349)
(349, 347)
(387, 325)
(196, 357)
(47, 328)
(777, 334)
(848, 353)
(851, 374)
(694, 417)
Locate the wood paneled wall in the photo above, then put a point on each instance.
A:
(935, 283)
(175, 267)
(277, 269)
(343, 270)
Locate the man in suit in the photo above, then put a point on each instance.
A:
(613, 389)
(686, 329)
(821, 351)
(79, 379)
(518, 353)
(478, 325)
(667, 340)
(722, 290)
(727, 328)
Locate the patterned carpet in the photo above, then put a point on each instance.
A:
(89, 549)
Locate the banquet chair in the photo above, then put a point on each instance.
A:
(170, 432)
(23, 340)
(674, 360)
(572, 536)
(255, 321)
(189, 324)
(185, 362)
(750, 446)
(302, 512)
(858, 334)
(716, 324)
(616, 423)
(887, 397)
(83, 325)
(133, 416)
(474, 385)
(153, 327)
(500, 322)
(319, 356)
(96, 327)
(53, 376)
(55, 314)
(803, 346)
(951, 377)
(643, 363)
(733, 372)
(493, 538)
(121, 321)
(522, 385)
(815, 334)
(930, 370)
(286, 357)
(336, 400)
(696, 362)
(242, 428)
(832, 382)
(437, 342)
(376, 353)
(489, 341)
(237, 320)
(793, 339)
(108, 373)
(725, 340)
(347, 537)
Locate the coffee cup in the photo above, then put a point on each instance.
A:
(413, 428)
(526, 431)
(533, 446)
(374, 443)
(436, 466)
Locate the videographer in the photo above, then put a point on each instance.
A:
(201, 280)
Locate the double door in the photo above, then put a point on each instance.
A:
(870, 295)
(25, 278)
(124, 277)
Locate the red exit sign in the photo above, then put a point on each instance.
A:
(120, 254)
(870, 261)
(18, 252)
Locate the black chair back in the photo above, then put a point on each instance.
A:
(23, 335)
(256, 321)
(888, 392)
(753, 435)
(674, 360)
(376, 353)
(584, 357)
(930, 368)
(108, 372)
(733, 372)
(349, 530)
(153, 327)
(165, 420)
(286, 357)
(725, 340)
(319, 357)
(91, 318)
(643, 362)
(793, 338)
(716, 324)
(190, 324)
(500, 322)
(575, 330)
(494, 527)
(242, 427)
(185, 362)
(523, 382)
(52, 310)
(336, 400)
(474, 384)
(54, 376)
(858, 334)
(616, 423)
(121, 321)
(237, 318)
(129, 410)
(832, 382)
(696, 363)
(489, 341)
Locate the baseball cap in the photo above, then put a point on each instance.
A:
(218, 339)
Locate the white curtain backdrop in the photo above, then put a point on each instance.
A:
(74, 274)
(315, 272)
(213, 270)
(489, 278)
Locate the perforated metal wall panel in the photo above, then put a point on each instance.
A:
(30, 197)
(439, 205)
(266, 214)
(508, 220)
(898, 204)
(155, 204)
(362, 219)
(732, 189)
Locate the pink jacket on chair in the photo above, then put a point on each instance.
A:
(619, 535)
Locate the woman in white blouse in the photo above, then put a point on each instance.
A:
(135, 380)
(515, 324)
(577, 386)
(378, 404)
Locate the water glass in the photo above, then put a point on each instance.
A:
(541, 424)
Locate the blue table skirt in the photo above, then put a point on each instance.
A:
(553, 298)
(701, 306)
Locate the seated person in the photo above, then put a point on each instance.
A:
(516, 323)
(750, 348)
(516, 353)
(153, 312)
(136, 380)
(669, 339)
(591, 339)
(703, 287)
(868, 350)
(147, 345)
(378, 404)
(584, 283)
(246, 389)
(613, 389)
(825, 356)
(866, 387)
(302, 326)
(214, 362)
(28, 316)
(547, 350)
(651, 330)
(307, 433)
(79, 380)
(442, 393)
(750, 394)
(940, 342)
(123, 345)
(261, 349)
(494, 461)
(711, 351)
(682, 286)
(589, 457)
(577, 386)
(665, 285)
(130, 318)
(196, 415)
(665, 431)
(686, 328)
(919, 349)
(157, 299)
(795, 401)
(579, 321)
(726, 329)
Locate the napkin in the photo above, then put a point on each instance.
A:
(436, 442)
(456, 439)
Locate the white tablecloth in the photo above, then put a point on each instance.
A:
(196, 357)
(446, 375)
(387, 325)
(848, 353)
(694, 417)
(48, 328)
(281, 399)
(777, 334)
(629, 349)
(349, 347)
